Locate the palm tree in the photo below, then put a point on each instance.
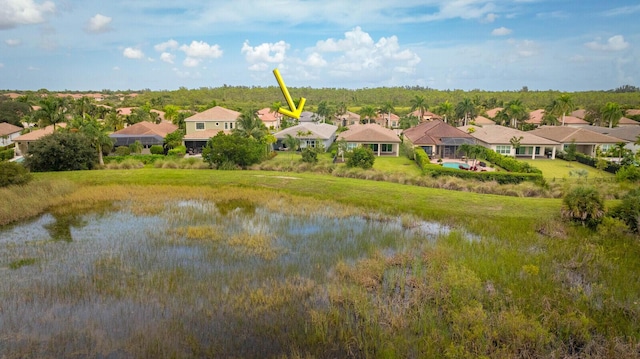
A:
(612, 113)
(97, 134)
(323, 111)
(445, 109)
(291, 142)
(367, 112)
(515, 142)
(249, 125)
(516, 112)
(52, 111)
(562, 105)
(502, 117)
(387, 107)
(171, 113)
(114, 120)
(408, 121)
(466, 110)
(620, 147)
(83, 106)
(419, 103)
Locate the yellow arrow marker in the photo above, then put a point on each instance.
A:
(295, 112)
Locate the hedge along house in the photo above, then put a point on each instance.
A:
(438, 138)
(206, 124)
(310, 135)
(147, 133)
(383, 141)
(509, 141)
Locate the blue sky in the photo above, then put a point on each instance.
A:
(567, 45)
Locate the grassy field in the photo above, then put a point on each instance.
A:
(509, 280)
(560, 169)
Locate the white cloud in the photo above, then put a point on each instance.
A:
(523, 49)
(260, 56)
(167, 57)
(167, 45)
(501, 31)
(24, 12)
(201, 50)
(624, 10)
(198, 51)
(491, 17)
(99, 23)
(12, 42)
(315, 60)
(614, 43)
(132, 53)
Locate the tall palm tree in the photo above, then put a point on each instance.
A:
(466, 110)
(368, 113)
(516, 112)
(445, 109)
(114, 120)
(83, 106)
(96, 133)
(249, 125)
(419, 103)
(611, 113)
(562, 105)
(387, 107)
(323, 111)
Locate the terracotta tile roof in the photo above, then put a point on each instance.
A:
(627, 133)
(494, 111)
(633, 112)
(572, 120)
(535, 117)
(217, 113)
(350, 116)
(38, 134)
(565, 134)
(579, 113)
(267, 116)
(147, 129)
(432, 133)
(627, 122)
(481, 120)
(427, 115)
(501, 135)
(371, 132)
(7, 129)
(318, 130)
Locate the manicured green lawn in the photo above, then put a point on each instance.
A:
(400, 164)
(559, 169)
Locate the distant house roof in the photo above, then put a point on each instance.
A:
(627, 122)
(38, 134)
(494, 111)
(481, 120)
(434, 133)
(350, 116)
(580, 135)
(535, 118)
(205, 134)
(308, 116)
(371, 132)
(384, 116)
(148, 128)
(427, 115)
(633, 112)
(318, 130)
(501, 135)
(627, 133)
(7, 129)
(268, 117)
(580, 113)
(217, 113)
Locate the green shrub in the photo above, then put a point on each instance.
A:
(629, 173)
(12, 173)
(362, 157)
(309, 155)
(422, 159)
(7, 154)
(629, 210)
(123, 151)
(62, 151)
(584, 205)
(157, 150)
(178, 151)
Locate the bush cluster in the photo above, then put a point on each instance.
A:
(509, 163)
(7, 154)
(178, 151)
(361, 156)
(422, 159)
(500, 177)
(309, 155)
(12, 173)
(589, 161)
(156, 150)
(122, 151)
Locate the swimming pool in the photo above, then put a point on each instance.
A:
(455, 165)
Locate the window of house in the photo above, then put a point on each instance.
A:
(503, 150)
(199, 125)
(374, 147)
(387, 147)
(231, 125)
(226, 125)
(351, 146)
(311, 143)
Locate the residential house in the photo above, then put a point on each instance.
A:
(426, 116)
(623, 133)
(438, 138)
(586, 141)
(270, 119)
(493, 112)
(310, 135)
(148, 133)
(349, 118)
(509, 141)
(625, 122)
(536, 117)
(23, 142)
(386, 119)
(206, 124)
(381, 140)
(8, 133)
(308, 116)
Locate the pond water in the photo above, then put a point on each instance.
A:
(124, 283)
